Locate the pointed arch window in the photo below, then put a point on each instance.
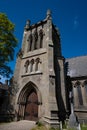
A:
(78, 85)
(29, 43)
(31, 65)
(85, 85)
(35, 39)
(37, 64)
(40, 38)
(26, 66)
(86, 88)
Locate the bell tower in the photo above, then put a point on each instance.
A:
(40, 71)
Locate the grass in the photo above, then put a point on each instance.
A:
(83, 127)
(44, 128)
(40, 126)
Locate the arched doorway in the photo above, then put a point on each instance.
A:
(31, 107)
(29, 101)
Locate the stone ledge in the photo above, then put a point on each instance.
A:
(37, 73)
(34, 53)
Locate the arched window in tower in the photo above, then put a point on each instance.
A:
(37, 64)
(40, 38)
(78, 85)
(29, 42)
(84, 92)
(31, 65)
(26, 66)
(85, 85)
(35, 39)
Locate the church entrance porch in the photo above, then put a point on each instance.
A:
(28, 104)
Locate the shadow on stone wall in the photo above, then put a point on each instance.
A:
(59, 96)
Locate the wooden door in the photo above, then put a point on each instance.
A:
(31, 109)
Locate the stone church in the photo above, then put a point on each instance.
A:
(43, 78)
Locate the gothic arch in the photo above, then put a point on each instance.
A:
(41, 38)
(31, 65)
(85, 86)
(79, 92)
(26, 66)
(77, 83)
(85, 82)
(37, 65)
(28, 89)
(29, 42)
(35, 39)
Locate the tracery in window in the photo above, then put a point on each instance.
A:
(31, 65)
(29, 42)
(86, 88)
(26, 66)
(85, 85)
(35, 39)
(37, 64)
(78, 85)
(40, 38)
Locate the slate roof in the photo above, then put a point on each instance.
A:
(77, 66)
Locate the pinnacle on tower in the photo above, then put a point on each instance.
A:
(49, 14)
(27, 26)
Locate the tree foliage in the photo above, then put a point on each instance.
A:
(8, 42)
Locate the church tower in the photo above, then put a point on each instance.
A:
(39, 74)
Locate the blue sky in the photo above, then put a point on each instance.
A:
(70, 16)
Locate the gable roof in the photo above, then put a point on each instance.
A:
(77, 66)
